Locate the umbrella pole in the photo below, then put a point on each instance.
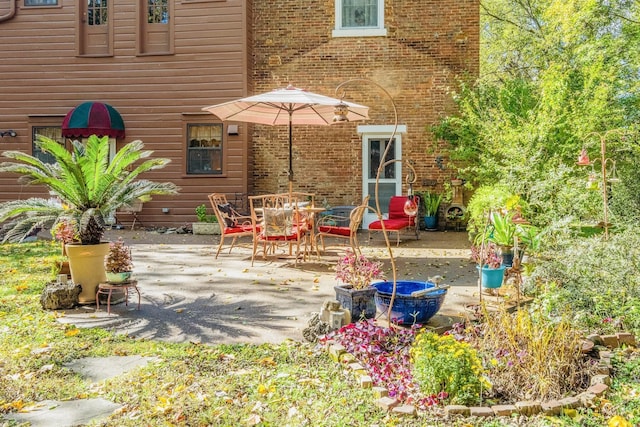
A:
(290, 154)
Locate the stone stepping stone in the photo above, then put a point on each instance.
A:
(97, 369)
(81, 411)
(65, 414)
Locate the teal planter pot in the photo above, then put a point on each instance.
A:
(431, 222)
(492, 277)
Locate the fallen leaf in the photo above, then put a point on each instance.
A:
(72, 332)
(254, 419)
(267, 361)
(618, 421)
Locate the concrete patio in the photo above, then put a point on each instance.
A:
(187, 295)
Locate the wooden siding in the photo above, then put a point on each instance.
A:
(42, 78)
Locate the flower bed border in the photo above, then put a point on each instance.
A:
(599, 384)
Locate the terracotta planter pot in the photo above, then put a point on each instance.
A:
(86, 263)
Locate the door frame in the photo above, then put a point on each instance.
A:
(368, 132)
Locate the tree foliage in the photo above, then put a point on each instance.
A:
(553, 73)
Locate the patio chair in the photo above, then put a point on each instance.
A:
(397, 221)
(328, 226)
(132, 210)
(232, 224)
(276, 220)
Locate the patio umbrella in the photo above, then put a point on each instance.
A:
(288, 106)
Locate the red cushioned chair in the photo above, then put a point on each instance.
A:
(327, 226)
(277, 220)
(397, 221)
(232, 224)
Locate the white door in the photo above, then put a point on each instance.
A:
(374, 142)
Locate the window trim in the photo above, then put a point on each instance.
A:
(339, 31)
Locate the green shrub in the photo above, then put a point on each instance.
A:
(201, 213)
(442, 364)
(596, 281)
(484, 200)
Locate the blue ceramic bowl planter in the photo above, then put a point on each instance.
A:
(415, 302)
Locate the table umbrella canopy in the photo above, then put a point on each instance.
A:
(93, 118)
(288, 106)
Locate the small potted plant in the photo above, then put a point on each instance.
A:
(431, 204)
(118, 264)
(207, 224)
(356, 294)
(503, 232)
(488, 258)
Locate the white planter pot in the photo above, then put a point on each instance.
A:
(206, 228)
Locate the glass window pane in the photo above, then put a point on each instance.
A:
(359, 13)
(204, 149)
(52, 132)
(40, 2)
(158, 12)
(376, 148)
(385, 191)
(97, 12)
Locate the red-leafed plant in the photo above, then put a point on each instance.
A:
(385, 354)
(358, 271)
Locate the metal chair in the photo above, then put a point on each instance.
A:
(276, 220)
(232, 224)
(328, 226)
(132, 210)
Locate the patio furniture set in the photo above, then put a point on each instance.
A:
(292, 221)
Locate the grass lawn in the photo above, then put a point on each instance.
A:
(199, 385)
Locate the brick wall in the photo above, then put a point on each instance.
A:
(429, 45)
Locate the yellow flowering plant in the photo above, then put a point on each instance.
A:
(444, 366)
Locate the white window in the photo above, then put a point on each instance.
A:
(359, 18)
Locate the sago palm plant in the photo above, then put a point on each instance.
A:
(85, 186)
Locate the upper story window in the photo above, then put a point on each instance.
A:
(204, 149)
(95, 33)
(53, 132)
(40, 2)
(155, 27)
(359, 18)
